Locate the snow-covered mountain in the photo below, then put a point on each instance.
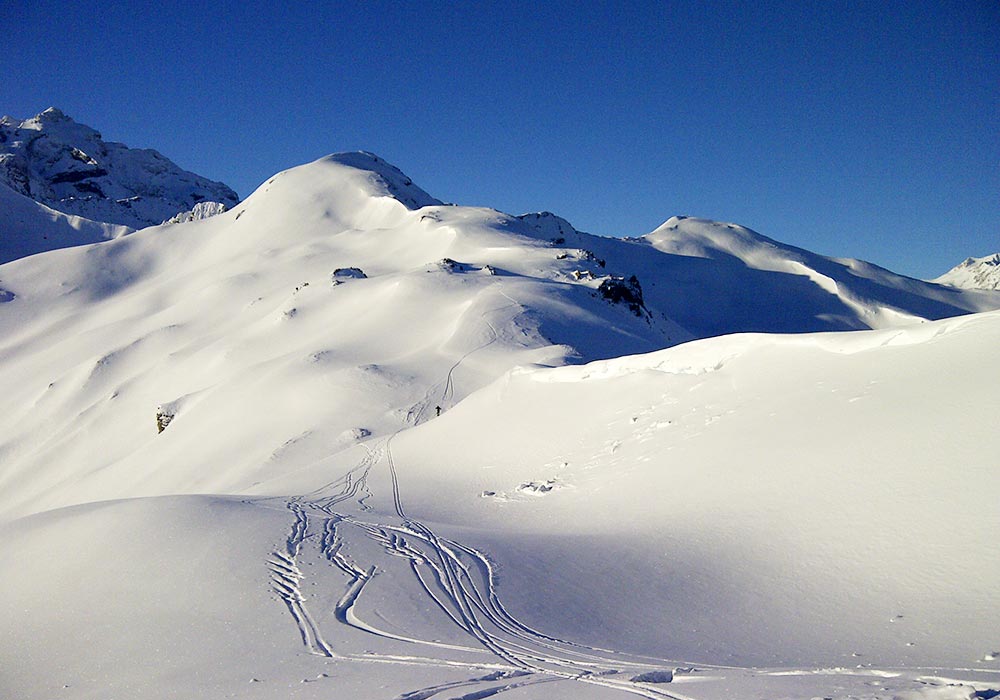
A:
(328, 442)
(67, 167)
(974, 273)
(715, 278)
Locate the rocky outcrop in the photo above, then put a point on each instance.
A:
(202, 210)
(619, 290)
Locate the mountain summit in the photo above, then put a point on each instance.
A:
(68, 167)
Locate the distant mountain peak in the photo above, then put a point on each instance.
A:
(67, 166)
(53, 114)
(974, 273)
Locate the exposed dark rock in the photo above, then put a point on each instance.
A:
(618, 290)
(163, 419)
(342, 274)
(77, 175)
(654, 677)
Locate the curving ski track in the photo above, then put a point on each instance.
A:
(459, 579)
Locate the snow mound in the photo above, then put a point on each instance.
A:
(745, 489)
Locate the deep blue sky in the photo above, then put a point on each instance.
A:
(856, 129)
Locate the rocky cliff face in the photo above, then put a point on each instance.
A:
(68, 167)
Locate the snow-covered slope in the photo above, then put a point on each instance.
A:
(27, 227)
(974, 273)
(230, 323)
(66, 166)
(749, 516)
(350, 460)
(778, 500)
(234, 322)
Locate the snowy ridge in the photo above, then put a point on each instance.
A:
(846, 294)
(709, 355)
(974, 273)
(68, 166)
(201, 308)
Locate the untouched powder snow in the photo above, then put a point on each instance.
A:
(343, 440)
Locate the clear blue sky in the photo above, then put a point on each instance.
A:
(857, 129)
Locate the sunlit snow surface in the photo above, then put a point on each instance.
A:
(748, 516)
(974, 273)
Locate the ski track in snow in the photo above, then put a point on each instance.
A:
(460, 581)
(285, 579)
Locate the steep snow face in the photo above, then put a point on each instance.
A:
(974, 273)
(27, 227)
(68, 166)
(781, 288)
(385, 179)
(715, 278)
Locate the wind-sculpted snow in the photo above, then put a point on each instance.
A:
(448, 466)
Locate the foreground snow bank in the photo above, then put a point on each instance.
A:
(775, 500)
